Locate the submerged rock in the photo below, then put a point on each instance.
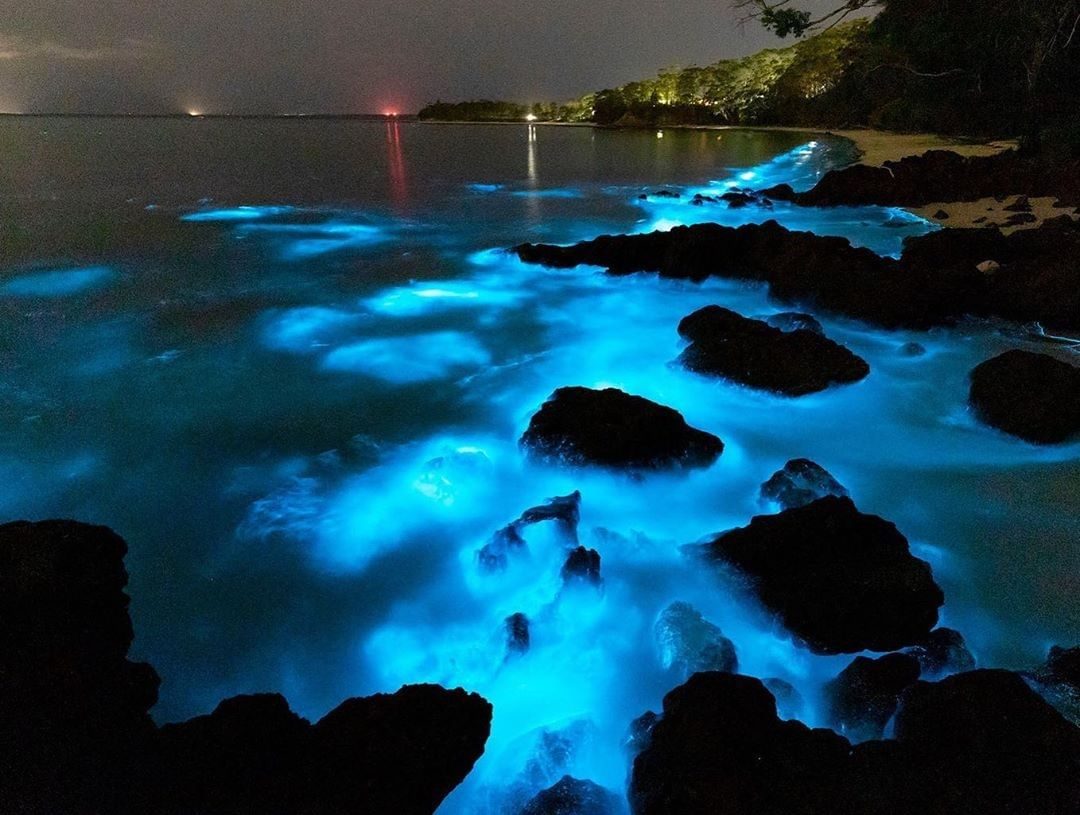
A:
(688, 643)
(799, 483)
(753, 353)
(1033, 396)
(1058, 680)
(582, 565)
(517, 634)
(564, 511)
(841, 581)
(913, 349)
(863, 698)
(610, 428)
(573, 797)
(943, 651)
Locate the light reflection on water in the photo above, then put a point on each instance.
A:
(304, 415)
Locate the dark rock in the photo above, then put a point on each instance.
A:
(1021, 204)
(982, 219)
(863, 698)
(1062, 665)
(980, 743)
(738, 200)
(564, 511)
(688, 643)
(75, 734)
(1033, 396)
(640, 733)
(788, 700)
(934, 283)
(840, 580)
(495, 554)
(720, 747)
(943, 651)
(1058, 680)
(609, 428)
(582, 565)
(573, 797)
(912, 349)
(401, 752)
(941, 215)
(751, 352)
(1021, 218)
(984, 742)
(666, 194)
(795, 321)
(517, 634)
(799, 483)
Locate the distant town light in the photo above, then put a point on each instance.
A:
(659, 134)
(532, 117)
(194, 112)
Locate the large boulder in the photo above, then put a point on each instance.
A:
(984, 742)
(75, 733)
(610, 428)
(688, 643)
(720, 748)
(570, 796)
(841, 581)
(863, 698)
(753, 353)
(401, 752)
(1033, 396)
(800, 482)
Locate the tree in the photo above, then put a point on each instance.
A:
(782, 19)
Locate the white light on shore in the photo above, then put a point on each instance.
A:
(194, 112)
(531, 117)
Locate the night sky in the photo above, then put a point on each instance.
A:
(290, 56)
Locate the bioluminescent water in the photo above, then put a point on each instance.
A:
(290, 361)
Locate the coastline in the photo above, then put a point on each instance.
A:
(875, 146)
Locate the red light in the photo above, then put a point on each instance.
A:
(390, 114)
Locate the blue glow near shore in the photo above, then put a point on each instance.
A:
(247, 213)
(58, 283)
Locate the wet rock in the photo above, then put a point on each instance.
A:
(799, 483)
(934, 283)
(563, 511)
(1020, 219)
(1058, 680)
(640, 732)
(666, 194)
(495, 555)
(1033, 396)
(554, 752)
(988, 267)
(1021, 204)
(863, 698)
(789, 702)
(688, 643)
(738, 200)
(943, 651)
(699, 200)
(582, 565)
(795, 321)
(912, 349)
(751, 352)
(77, 737)
(941, 215)
(75, 734)
(573, 797)
(984, 742)
(443, 476)
(721, 748)
(609, 428)
(841, 581)
(517, 634)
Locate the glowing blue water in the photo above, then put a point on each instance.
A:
(300, 404)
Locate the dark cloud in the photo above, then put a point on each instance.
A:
(345, 55)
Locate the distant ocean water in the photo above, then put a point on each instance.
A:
(289, 362)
